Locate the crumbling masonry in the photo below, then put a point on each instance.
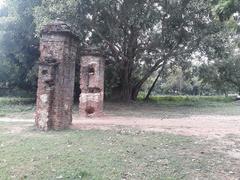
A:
(58, 48)
(91, 83)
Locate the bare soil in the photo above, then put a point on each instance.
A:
(197, 125)
(207, 126)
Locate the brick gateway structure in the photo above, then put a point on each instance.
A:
(59, 50)
(91, 83)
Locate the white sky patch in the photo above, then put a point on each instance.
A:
(2, 3)
(237, 17)
(198, 58)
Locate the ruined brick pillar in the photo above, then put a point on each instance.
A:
(91, 83)
(58, 48)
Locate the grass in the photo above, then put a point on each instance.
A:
(12, 106)
(15, 101)
(157, 107)
(125, 154)
(176, 106)
(26, 153)
(189, 100)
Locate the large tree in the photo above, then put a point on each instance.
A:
(139, 37)
(226, 8)
(19, 45)
(223, 73)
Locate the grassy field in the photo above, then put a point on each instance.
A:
(176, 106)
(16, 106)
(126, 153)
(159, 107)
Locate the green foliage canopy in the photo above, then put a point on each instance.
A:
(19, 46)
(139, 36)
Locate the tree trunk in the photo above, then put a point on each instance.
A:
(126, 86)
(126, 91)
(155, 82)
(135, 92)
(152, 87)
(139, 84)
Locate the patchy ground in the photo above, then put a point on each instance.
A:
(204, 125)
(210, 120)
(136, 141)
(126, 153)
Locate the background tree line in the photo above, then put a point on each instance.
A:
(152, 46)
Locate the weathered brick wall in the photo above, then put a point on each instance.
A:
(58, 49)
(91, 83)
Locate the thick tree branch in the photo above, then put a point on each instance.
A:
(155, 82)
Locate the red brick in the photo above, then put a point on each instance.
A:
(91, 83)
(58, 48)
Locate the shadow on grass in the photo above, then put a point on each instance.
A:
(175, 107)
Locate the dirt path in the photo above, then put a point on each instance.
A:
(200, 125)
(207, 126)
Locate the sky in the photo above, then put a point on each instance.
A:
(2, 2)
